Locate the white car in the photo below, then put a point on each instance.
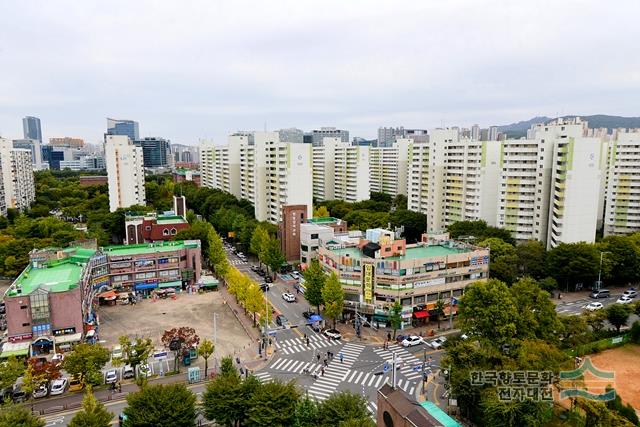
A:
(631, 293)
(57, 359)
(41, 391)
(58, 386)
(288, 297)
(116, 353)
(438, 342)
(111, 376)
(593, 306)
(127, 372)
(624, 300)
(144, 370)
(412, 340)
(334, 334)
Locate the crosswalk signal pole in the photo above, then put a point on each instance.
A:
(393, 366)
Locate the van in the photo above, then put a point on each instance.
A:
(602, 293)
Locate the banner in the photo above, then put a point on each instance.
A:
(368, 271)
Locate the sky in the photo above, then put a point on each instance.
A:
(192, 70)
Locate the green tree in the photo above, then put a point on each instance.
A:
(618, 315)
(574, 331)
(273, 404)
(314, 280)
(273, 255)
(12, 415)
(536, 314)
(487, 311)
(321, 212)
(342, 407)
(217, 255)
(439, 310)
(137, 352)
(227, 368)
(333, 297)
(504, 260)
(395, 317)
(224, 400)
(10, 370)
(622, 262)
(86, 361)
(93, 413)
(206, 350)
(595, 320)
(415, 223)
(305, 413)
(180, 340)
(531, 258)
(571, 263)
(170, 405)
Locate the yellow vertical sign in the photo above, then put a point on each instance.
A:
(367, 282)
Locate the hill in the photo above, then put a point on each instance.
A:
(519, 129)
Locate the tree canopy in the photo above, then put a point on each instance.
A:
(170, 405)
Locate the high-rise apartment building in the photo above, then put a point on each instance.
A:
(123, 127)
(622, 211)
(185, 153)
(475, 132)
(388, 167)
(125, 169)
(35, 147)
(387, 136)
(318, 135)
(17, 176)
(156, 152)
(31, 128)
(493, 133)
(340, 171)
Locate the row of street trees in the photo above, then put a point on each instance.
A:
(267, 248)
(324, 290)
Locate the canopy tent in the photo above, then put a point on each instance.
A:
(174, 284)
(420, 314)
(14, 349)
(64, 339)
(109, 295)
(315, 318)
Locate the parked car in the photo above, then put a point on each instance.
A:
(601, 293)
(268, 279)
(412, 340)
(41, 391)
(281, 320)
(144, 370)
(288, 297)
(624, 300)
(438, 342)
(334, 334)
(400, 338)
(631, 293)
(59, 386)
(111, 376)
(127, 372)
(116, 353)
(255, 268)
(57, 359)
(593, 306)
(75, 384)
(308, 314)
(265, 287)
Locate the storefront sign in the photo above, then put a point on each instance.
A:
(20, 337)
(367, 282)
(422, 284)
(120, 258)
(64, 331)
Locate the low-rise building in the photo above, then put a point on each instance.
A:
(152, 227)
(183, 175)
(316, 230)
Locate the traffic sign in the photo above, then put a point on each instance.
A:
(386, 367)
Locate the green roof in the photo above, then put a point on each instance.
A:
(417, 252)
(171, 219)
(322, 220)
(58, 276)
(150, 248)
(437, 413)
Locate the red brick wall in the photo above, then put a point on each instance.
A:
(66, 310)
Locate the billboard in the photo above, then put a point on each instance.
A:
(368, 274)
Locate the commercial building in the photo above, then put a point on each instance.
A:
(340, 171)
(316, 230)
(387, 136)
(53, 300)
(125, 170)
(129, 128)
(155, 151)
(31, 128)
(318, 135)
(622, 212)
(398, 408)
(17, 176)
(152, 227)
(381, 269)
(187, 175)
(388, 167)
(289, 230)
(35, 147)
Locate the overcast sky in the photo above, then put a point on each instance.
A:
(199, 69)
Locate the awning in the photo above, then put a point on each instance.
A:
(64, 339)
(146, 286)
(420, 314)
(315, 318)
(109, 295)
(379, 318)
(174, 284)
(14, 349)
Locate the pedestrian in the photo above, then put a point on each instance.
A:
(307, 341)
(318, 355)
(322, 371)
(119, 387)
(341, 357)
(325, 362)
(388, 336)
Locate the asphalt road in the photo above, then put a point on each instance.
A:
(578, 306)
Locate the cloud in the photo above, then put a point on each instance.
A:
(198, 69)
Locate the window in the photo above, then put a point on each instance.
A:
(39, 307)
(314, 236)
(148, 228)
(303, 259)
(174, 231)
(387, 249)
(165, 231)
(304, 248)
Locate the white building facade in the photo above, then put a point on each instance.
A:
(340, 171)
(125, 171)
(17, 177)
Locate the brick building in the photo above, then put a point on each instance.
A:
(152, 227)
(289, 230)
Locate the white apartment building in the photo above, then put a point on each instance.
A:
(388, 167)
(125, 171)
(340, 171)
(622, 212)
(208, 169)
(17, 177)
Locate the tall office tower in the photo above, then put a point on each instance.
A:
(318, 135)
(475, 132)
(484, 134)
(31, 128)
(340, 171)
(387, 136)
(291, 135)
(622, 211)
(125, 171)
(35, 147)
(493, 133)
(17, 176)
(185, 153)
(156, 152)
(388, 167)
(123, 127)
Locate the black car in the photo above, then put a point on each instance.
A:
(264, 287)
(261, 272)
(281, 320)
(255, 268)
(268, 279)
(308, 314)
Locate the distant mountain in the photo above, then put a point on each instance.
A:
(517, 130)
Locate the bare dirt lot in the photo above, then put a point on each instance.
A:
(151, 319)
(625, 362)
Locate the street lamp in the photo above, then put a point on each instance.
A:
(599, 282)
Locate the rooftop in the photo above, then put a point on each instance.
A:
(416, 252)
(170, 219)
(150, 248)
(58, 276)
(323, 220)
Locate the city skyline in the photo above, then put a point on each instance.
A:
(318, 67)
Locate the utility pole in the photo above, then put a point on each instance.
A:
(215, 330)
(393, 367)
(424, 362)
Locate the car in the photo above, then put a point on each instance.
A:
(144, 370)
(261, 272)
(281, 320)
(59, 386)
(116, 353)
(308, 314)
(255, 268)
(127, 372)
(288, 297)
(268, 279)
(400, 338)
(438, 342)
(75, 384)
(57, 359)
(601, 293)
(111, 376)
(41, 391)
(624, 300)
(265, 287)
(296, 274)
(593, 306)
(631, 293)
(412, 340)
(334, 334)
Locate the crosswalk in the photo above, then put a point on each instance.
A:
(336, 372)
(297, 345)
(373, 408)
(296, 366)
(410, 365)
(236, 262)
(263, 377)
(366, 379)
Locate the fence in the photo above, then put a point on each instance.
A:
(601, 345)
